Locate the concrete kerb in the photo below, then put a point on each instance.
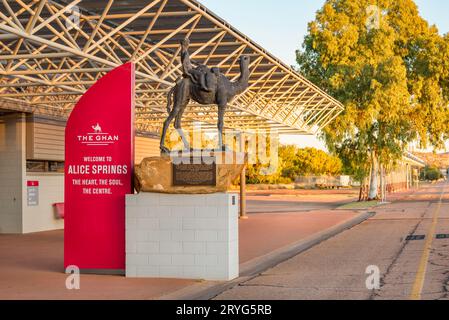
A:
(206, 290)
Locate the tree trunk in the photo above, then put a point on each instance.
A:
(363, 189)
(373, 187)
(382, 183)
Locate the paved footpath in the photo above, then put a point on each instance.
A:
(336, 268)
(31, 266)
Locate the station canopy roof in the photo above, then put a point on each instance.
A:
(50, 56)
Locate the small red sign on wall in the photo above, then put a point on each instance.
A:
(32, 183)
(99, 159)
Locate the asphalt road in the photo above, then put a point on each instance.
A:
(336, 268)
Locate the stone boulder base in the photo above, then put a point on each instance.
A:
(155, 174)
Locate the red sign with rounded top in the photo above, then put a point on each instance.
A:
(99, 159)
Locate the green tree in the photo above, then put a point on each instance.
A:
(390, 70)
(431, 173)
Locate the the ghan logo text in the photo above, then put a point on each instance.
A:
(98, 137)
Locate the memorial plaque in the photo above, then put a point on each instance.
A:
(194, 172)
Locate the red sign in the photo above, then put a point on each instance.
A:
(99, 159)
(32, 183)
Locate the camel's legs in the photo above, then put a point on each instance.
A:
(164, 130)
(220, 125)
(181, 98)
(178, 125)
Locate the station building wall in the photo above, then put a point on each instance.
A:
(12, 171)
(27, 145)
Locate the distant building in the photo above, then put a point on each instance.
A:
(438, 160)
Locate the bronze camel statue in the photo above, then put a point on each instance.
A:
(205, 86)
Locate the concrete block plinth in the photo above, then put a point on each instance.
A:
(182, 236)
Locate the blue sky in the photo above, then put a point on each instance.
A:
(280, 26)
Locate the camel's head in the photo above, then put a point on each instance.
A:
(244, 61)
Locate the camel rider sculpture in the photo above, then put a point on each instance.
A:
(201, 76)
(204, 86)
